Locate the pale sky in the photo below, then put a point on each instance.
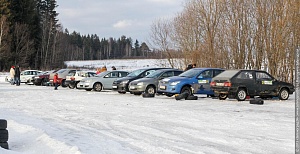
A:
(114, 18)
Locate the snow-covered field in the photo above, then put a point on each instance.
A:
(70, 121)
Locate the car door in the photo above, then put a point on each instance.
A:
(109, 79)
(245, 79)
(265, 82)
(204, 79)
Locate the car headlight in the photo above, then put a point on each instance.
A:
(174, 83)
(140, 83)
(125, 81)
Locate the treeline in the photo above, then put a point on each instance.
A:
(31, 36)
(234, 34)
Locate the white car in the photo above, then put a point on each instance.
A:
(26, 75)
(73, 78)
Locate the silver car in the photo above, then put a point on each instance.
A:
(149, 83)
(101, 81)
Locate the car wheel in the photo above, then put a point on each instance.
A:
(71, 86)
(150, 90)
(3, 135)
(283, 94)
(241, 95)
(63, 83)
(169, 95)
(186, 89)
(4, 145)
(3, 124)
(97, 87)
(222, 96)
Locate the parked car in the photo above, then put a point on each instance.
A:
(62, 73)
(26, 75)
(121, 85)
(239, 84)
(101, 81)
(42, 79)
(73, 78)
(185, 81)
(149, 83)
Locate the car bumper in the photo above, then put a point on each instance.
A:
(137, 88)
(84, 85)
(230, 91)
(120, 87)
(168, 89)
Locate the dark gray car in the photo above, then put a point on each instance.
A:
(149, 83)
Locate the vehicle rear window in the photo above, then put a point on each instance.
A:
(228, 73)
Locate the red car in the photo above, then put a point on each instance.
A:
(62, 73)
(42, 79)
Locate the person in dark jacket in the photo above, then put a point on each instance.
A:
(17, 75)
(188, 67)
(113, 68)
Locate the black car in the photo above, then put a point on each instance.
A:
(239, 84)
(121, 85)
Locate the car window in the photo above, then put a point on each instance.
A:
(190, 73)
(123, 74)
(167, 74)
(147, 73)
(245, 75)
(217, 72)
(114, 74)
(206, 74)
(176, 73)
(263, 75)
(72, 74)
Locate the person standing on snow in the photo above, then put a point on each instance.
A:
(113, 68)
(17, 75)
(12, 75)
(55, 81)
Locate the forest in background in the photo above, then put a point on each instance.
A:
(230, 34)
(234, 34)
(31, 36)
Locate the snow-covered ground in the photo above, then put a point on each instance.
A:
(71, 121)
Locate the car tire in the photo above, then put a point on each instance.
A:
(150, 90)
(97, 87)
(257, 101)
(186, 89)
(222, 96)
(241, 94)
(283, 94)
(121, 92)
(3, 135)
(63, 83)
(3, 124)
(191, 97)
(183, 95)
(147, 95)
(169, 95)
(4, 145)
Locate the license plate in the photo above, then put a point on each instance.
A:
(114, 87)
(219, 84)
(162, 87)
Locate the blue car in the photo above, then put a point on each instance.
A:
(196, 80)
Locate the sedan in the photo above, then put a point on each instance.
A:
(239, 84)
(149, 83)
(101, 81)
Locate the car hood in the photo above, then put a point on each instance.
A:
(144, 80)
(125, 78)
(175, 78)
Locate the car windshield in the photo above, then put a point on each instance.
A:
(155, 74)
(61, 71)
(190, 73)
(136, 73)
(228, 73)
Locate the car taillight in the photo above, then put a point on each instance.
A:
(213, 83)
(227, 84)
